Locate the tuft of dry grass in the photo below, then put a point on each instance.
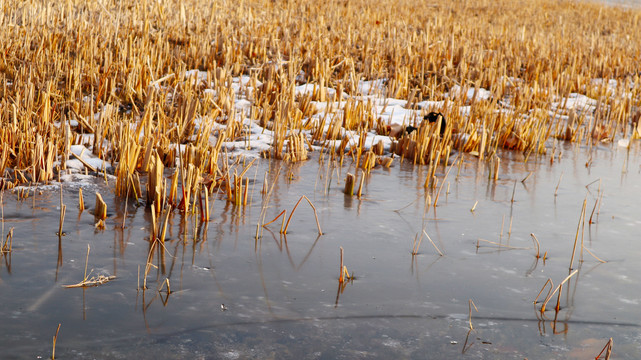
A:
(94, 280)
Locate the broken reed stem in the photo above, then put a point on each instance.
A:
(341, 278)
(557, 307)
(595, 206)
(165, 284)
(360, 186)
(558, 184)
(149, 265)
(474, 207)
(124, 215)
(497, 165)
(594, 256)
(557, 289)
(587, 186)
(276, 218)
(433, 244)
(55, 339)
(608, 350)
(470, 305)
(163, 231)
(8, 243)
(2, 207)
(350, 179)
(578, 228)
(538, 246)
(81, 200)
(513, 191)
(206, 215)
(154, 223)
(100, 211)
(438, 193)
(549, 281)
(320, 232)
(417, 244)
(85, 163)
(63, 210)
(263, 210)
(84, 278)
(478, 245)
(598, 210)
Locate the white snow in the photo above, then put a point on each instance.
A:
(257, 139)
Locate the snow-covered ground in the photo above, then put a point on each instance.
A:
(258, 139)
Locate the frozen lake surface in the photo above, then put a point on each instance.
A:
(233, 296)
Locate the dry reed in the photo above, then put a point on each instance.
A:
(607, 349)
(470, 305)
(499, 245)
(100, 209)
(81, 201)
(416, 244)
(344, 274)
(350, 179)
(63, 210)
(124, 82)
(7, 244)
(94, 280)
(285, 226)
(556, 190)
(71, 74)
(578, 230)
(55, 340)
(538, 246)
(432, 242)
(551, 293)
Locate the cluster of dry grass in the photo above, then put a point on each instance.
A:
(117, 69)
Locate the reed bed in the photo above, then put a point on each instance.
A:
(117, 77)
(171, 95)
(94, 280)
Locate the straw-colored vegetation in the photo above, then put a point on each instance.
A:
(94, 280)
(116, 76)
(6, 245)
(112, 75)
